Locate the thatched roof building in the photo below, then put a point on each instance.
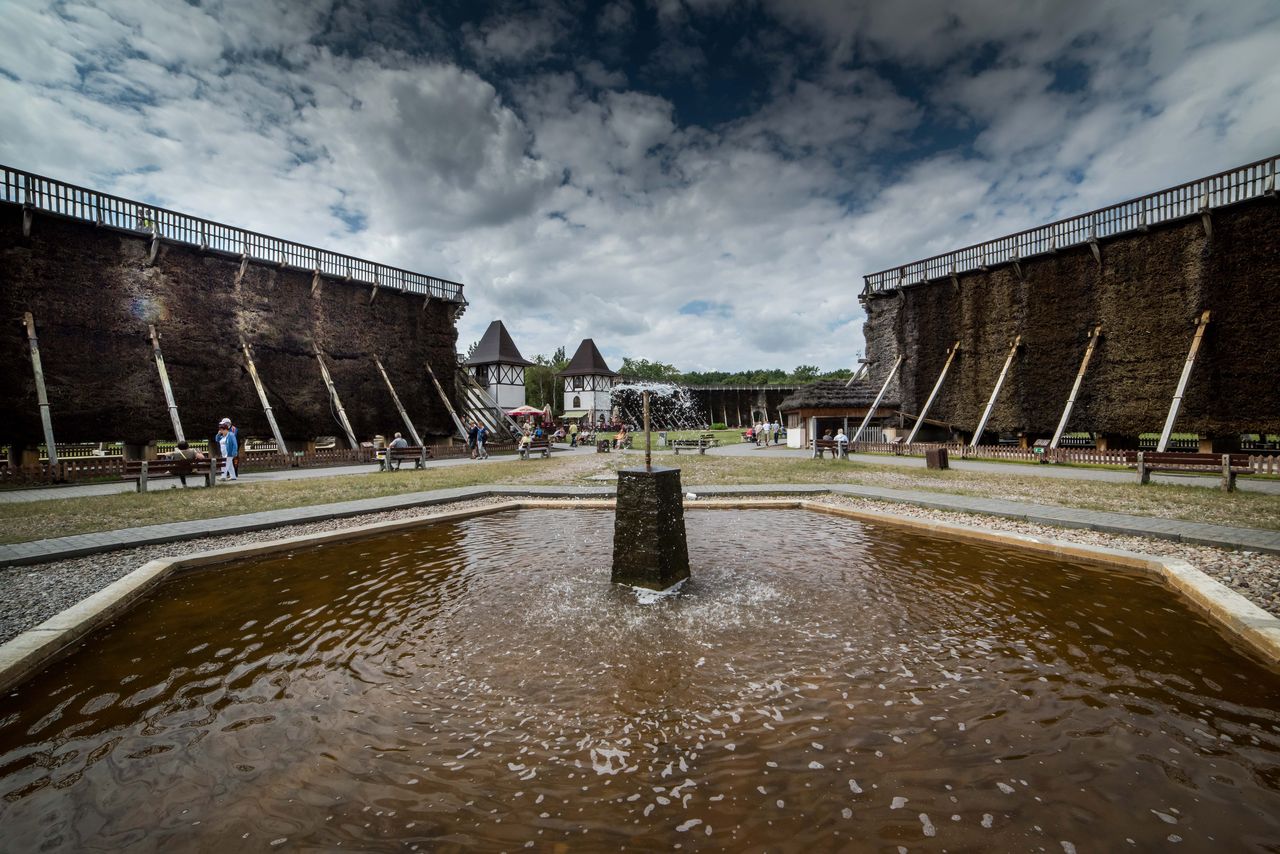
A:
(828, 404)
(835, 395)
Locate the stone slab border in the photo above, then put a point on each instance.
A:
(35, 649)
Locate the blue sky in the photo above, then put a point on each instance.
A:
(701, 182)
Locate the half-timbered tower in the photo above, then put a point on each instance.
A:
(588, 384)
(498, 367)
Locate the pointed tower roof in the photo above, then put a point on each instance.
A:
(496, 346)
(587, 362)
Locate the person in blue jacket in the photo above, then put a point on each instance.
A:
(228, 447)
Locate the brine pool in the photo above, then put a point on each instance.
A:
(819, 684)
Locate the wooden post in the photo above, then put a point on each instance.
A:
(876, 403)
(164, 385)
(1228, 476)
(995, 392)
(262, 396)
(457, 422)
(42, 396)
(1176, 404)
(413, 433)
(142, 477)
(1144, 476)
(937, 386)
(1075, 388)
(333, 396)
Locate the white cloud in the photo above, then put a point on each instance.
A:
(573, 206)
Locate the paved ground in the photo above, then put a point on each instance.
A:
(60, 548)
(1270, 486)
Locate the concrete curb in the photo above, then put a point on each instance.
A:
(1239, 619)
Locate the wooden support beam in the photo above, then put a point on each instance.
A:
(315, 281)
(457, 422)
(164, 385)
(1075, 387)
(244, 266)
(937, 386)
(333, 396)
(1176, 404)
(413, 433)
(995, 392)
(879, 397)
(42, 396)
(262, 396)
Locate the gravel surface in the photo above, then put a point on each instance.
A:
(32, 594)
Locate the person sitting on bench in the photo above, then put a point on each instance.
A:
(397, 442)
(185, 458)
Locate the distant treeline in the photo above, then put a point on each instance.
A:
(542, 386)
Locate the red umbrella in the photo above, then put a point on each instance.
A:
(524, 410)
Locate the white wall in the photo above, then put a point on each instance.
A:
(508, 396)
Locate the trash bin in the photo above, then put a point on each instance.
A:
(662, 438)
(604, 446)
(936, 458)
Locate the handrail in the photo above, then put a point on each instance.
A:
(35, 192)
(1194, 197)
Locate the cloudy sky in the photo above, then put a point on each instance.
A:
(701, 182)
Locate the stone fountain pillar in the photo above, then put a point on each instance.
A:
(649, 546)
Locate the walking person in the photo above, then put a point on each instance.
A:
(471, 438)
(228, 446)
(482, 433)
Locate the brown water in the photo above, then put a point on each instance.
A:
(819, 685)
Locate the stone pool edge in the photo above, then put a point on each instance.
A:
(43, 645)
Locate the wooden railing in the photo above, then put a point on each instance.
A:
(1194, 197)
(1258, 463)
(35, 192)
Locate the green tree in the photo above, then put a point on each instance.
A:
(541, 385)
(645, 370)
(805, 373)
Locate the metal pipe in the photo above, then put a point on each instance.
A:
(413, 433)
(876, 403)
(937, 386)
(1176, 404)
(262, 396)
(1075, 387)
(648, 446)
(42, 397)
(995, 392)
(333, 396)
(164, 385)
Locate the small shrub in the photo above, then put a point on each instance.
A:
(719, 426)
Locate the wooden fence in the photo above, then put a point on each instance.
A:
(1258, 463)
(90, 468)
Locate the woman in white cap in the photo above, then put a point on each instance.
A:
(228, 446)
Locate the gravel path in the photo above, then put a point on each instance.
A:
(32, 594)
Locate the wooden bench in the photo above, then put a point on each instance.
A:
(690, 444)
(416, 454)
(536, 445)
(143, 471)
(1228, 466)
(838, 449)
